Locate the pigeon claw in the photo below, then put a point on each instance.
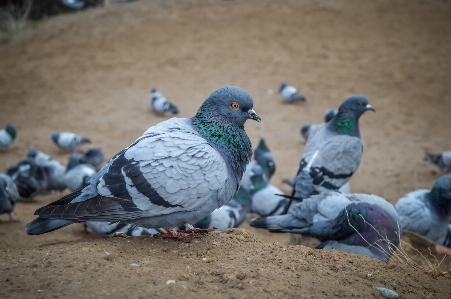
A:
(119, 235)
(185, 235)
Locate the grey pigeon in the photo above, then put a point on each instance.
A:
(265, 200)
(7, 136)
(308, 127)
(94, 156)
(346, 188)
(442, 160)
(160, 104)
(77, 174)
(175, 174)
(356, 223)
(67, 140)
(290, 93)
(8, 195)
(333, 151)
(428, 212)
(107, 229)
(39, 158)
(29, 178)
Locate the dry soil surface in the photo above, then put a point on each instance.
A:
(91, 73)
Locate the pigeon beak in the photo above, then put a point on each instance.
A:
(254, 116)
(368, 107)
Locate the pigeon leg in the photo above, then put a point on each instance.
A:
(12, 219)
(189, 229)
(173, 234)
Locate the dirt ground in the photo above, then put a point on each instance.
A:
(91, 73)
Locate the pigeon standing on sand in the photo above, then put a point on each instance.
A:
(8, 196)
(175, 174)
(77, 175)
(7, 136)
(442, 160)
(356, 223)
(427, 212)
(68, 141)
(333, 151)
(94, 156)
(290, 93)
(160, 104)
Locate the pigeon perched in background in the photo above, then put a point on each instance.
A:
(106, 229)
(308, 127)
(290, 93)
(265, 202)
(175, 174)
(442, 160)
(29, 178)
(7, 136)
(333, 151)
(68, 141)
(39, 158)
(8, 196)
(427, 212)
(77, 175)
(356, 223)
(94, 156)
(160, 104)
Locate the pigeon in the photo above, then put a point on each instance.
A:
(107, 229)
(442, 160)
(77, 174)
(356, 223)
(346, 188)
(333, 151)
(308, 127)
(175, 174)
(160, 104)
(427, 212)
(29, 178)
(94, 156)
(39, 158)
(8, 196)
(68, 141)
(266, 199)
(290, 94)
(7, 136)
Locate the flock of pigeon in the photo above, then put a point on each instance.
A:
(185, 176)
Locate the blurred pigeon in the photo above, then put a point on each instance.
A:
(7, 136)
(93, 156)
(8, 196)
(265, 202)
(106, 229)
(29, 178)
(77, 175)
(333, 151)
(67, 140)
(442, 160)
(290, 93)
(356, 223)
(176, 173)
(346, 188)
(160, 104)
(428, 212)
(39, 158)
(308, 127)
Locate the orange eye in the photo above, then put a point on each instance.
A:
(359, 104)
(234, 105)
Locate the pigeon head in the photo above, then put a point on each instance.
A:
(153, 90)
(264, 158)
(261, 149)
(282, 86)
(55, 136)
(32, 152)
(329, 114)
(11, 130)
(305, 130)
(347, 119)
(73, 161)
(440, 196)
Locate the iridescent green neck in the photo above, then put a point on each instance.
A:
(242, 197)
(440, 200)
(345, 124)
(229, 139)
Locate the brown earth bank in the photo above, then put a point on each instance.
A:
(91, 72)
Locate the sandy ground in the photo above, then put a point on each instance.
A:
(91, 73)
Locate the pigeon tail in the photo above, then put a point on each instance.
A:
(173, 109)
(85, 141)
(42, 225)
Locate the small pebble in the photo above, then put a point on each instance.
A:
(248, 259)
(107, 253)
(387, 293)
(134, 265)
(170, 281)
(204, 259)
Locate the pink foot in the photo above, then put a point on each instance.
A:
(185, 235)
